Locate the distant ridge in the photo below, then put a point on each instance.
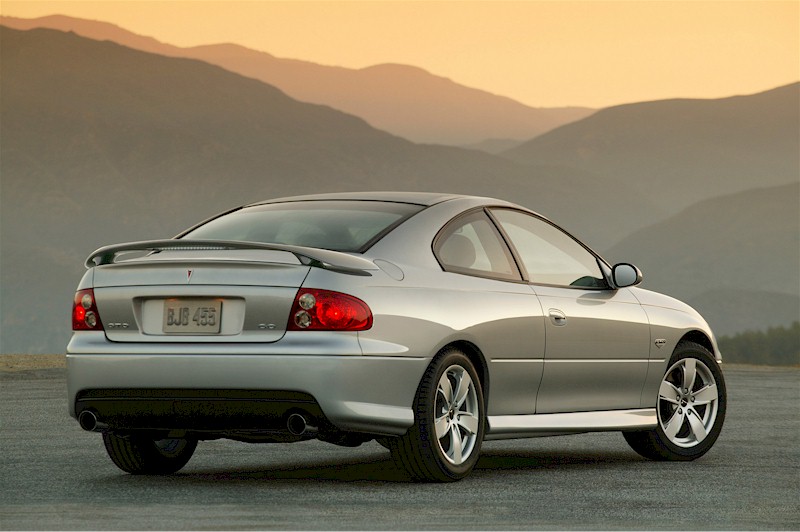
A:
(102, 144)
(736, 257)
(401, 99)
(495, 146)
(681, 151)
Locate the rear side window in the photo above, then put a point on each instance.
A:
(339, 225)
(472, 245)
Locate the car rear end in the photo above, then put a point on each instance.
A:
(209, 338)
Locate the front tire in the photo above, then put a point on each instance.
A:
(449, 422)
(691, 406)
(140, 455)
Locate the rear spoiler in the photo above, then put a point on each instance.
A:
(336, 261)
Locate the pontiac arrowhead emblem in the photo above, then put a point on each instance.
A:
(189, 276)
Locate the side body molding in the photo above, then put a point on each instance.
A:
(526, 426)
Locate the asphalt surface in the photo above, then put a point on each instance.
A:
(55, 476)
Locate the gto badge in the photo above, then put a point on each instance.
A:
(660, 343)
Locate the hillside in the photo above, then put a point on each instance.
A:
(681, 151)
(495, 146)
(730, 311)
(103, 144)
(735, 258)
(403, 100)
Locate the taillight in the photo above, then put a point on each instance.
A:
(325, 310)
(85, 316)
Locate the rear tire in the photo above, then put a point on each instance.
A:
(449, 421)
(140, 455)
(690, 408)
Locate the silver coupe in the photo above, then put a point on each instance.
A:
(428, 322)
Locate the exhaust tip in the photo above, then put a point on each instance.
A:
(297, 424)
(88, 420)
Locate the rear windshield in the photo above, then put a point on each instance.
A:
(336, 225)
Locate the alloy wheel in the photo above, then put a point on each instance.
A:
(456, 414)
(688, 401)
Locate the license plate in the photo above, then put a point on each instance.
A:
(192, 316)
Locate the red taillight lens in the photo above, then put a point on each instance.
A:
(325, 310)
(85, 316)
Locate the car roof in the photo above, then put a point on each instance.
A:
(417, 198)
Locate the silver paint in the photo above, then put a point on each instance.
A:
(556, 360)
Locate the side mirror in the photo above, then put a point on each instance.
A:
(624, 275)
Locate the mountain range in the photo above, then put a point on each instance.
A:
(103, 143)
(735, 258)
(682, 151)
(401, 99)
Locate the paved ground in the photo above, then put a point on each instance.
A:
(55, 476)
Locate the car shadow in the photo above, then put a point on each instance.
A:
(373, 468)
(379, 468)
(542, 460)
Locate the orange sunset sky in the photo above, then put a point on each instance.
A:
(543, 54)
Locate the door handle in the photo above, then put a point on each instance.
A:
(557, 317)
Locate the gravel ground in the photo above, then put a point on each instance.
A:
(53, 476)
(31, 362)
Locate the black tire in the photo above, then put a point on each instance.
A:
(140, 455)
(444, 395)
(690, 415)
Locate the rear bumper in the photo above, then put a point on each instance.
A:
(209, 413)
(358, 393)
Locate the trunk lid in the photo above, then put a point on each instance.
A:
(200, 295)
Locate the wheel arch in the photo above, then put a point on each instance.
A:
(701, 338)
(475, 355)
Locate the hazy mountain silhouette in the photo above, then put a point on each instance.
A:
(736, 258)
(734, 311)
(400, 99)
(680, 151)
(495, 146)
(102, 144)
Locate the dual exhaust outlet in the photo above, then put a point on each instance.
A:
(89, 422)
(296, 424)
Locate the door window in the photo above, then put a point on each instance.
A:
(549, 254)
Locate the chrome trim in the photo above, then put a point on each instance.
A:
(537, 360)
(524, 426)
(605, 360)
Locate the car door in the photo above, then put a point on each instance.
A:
(488, 285)
(596, 338)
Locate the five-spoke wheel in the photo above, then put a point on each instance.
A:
(688, 402)
(456, 414)
(445, 441)
(690, 409)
